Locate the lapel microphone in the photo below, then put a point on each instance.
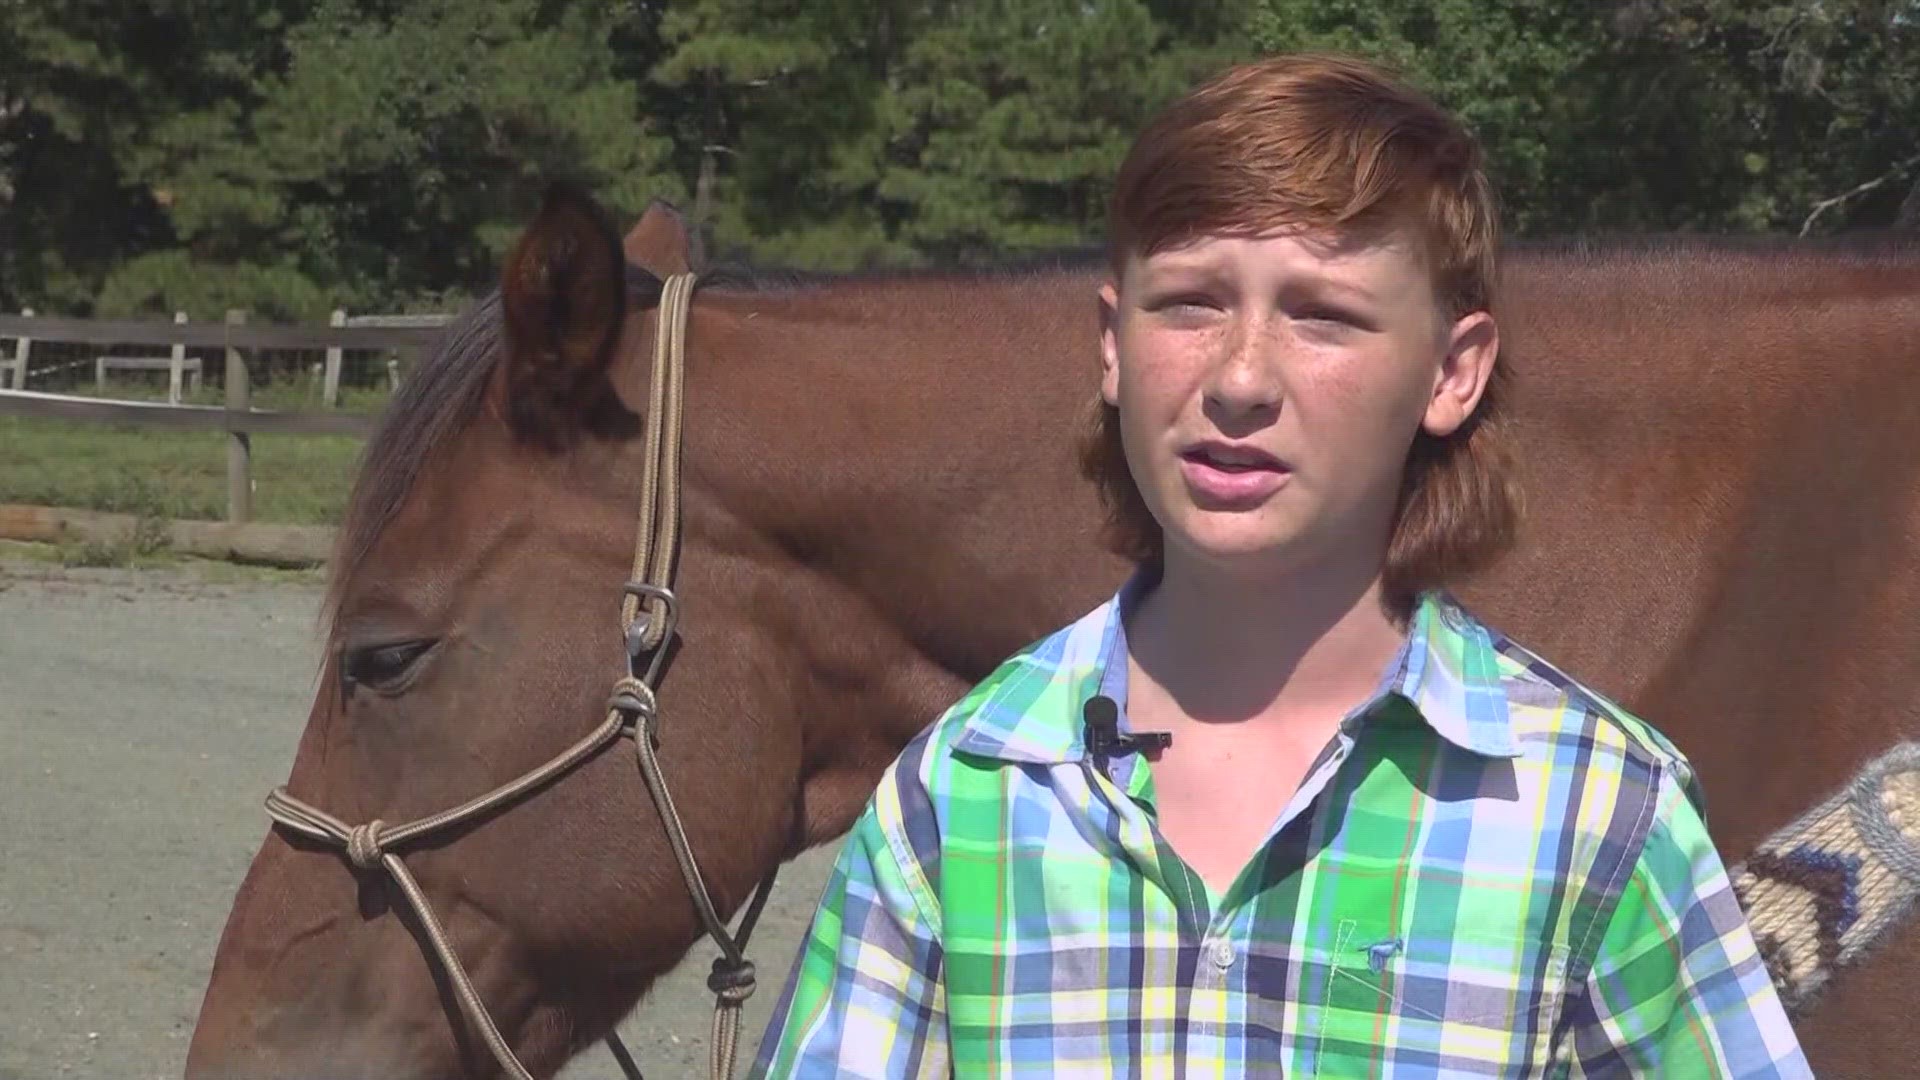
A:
(1102, 732)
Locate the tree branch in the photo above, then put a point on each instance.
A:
(1856, 191)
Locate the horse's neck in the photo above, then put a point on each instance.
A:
(1720, 528)
(916, 444)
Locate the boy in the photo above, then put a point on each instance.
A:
(1282, 806)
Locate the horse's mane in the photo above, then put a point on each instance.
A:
(443, 393)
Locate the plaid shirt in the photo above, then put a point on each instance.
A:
(1490, 871)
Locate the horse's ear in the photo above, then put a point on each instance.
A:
(563, 297)
(661, 243)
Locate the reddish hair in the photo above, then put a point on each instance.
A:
(1329, 142)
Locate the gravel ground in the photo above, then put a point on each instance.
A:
(144, 714)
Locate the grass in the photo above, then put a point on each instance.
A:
(209, 571)
(164, 473)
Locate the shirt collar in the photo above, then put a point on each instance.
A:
(1451, 674)
(1448, 669)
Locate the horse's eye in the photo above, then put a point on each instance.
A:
(384, 667)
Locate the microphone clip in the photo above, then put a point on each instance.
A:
(1102, 733)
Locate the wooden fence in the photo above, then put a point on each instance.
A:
(238, 338)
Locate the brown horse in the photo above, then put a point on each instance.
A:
(881, 502)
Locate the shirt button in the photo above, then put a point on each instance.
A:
(1220, 951)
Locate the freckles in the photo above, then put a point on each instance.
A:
(1156, 343)
(1341, 383)
(1166, 365)
(1349, 399)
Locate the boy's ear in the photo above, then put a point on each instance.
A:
(1110, 341)
(1473, 347)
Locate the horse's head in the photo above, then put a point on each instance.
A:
(474, 632)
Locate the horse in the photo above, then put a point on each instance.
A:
(882, 501)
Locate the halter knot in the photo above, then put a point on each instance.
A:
(633, 698)
(363, 844)
(732, 981)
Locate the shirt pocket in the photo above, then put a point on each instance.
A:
(1478, 1002)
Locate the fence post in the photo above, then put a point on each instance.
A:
(239, 450)
(20, 356)
(330, 395)
(177, 364)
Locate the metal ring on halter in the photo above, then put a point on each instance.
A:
(637, 630)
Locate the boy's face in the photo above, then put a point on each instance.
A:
(1269, 390)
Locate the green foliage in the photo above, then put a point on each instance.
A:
(1654, 115)
(1518, 72)
(355, 153)
(394, 153)
(83, 88)
(782, 102)
(1772, 108)
(292, 156)
(1015, 115)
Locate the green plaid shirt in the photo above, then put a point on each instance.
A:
(1490, 871)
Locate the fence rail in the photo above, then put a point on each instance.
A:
(238, 418)
(195, 417)
(213, 335)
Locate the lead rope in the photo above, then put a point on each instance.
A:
(631, 711)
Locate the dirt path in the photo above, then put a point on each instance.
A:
(143, 715)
